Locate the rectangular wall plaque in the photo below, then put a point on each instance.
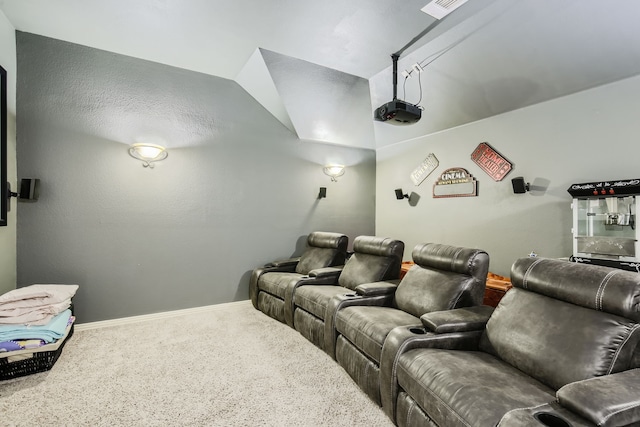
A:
(425, 168)
(490, 161)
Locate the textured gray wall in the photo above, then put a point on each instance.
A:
(237, 190)
(585, 137)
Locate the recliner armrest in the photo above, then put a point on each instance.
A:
(405, 338)
(326, 272)
(610, 400)
(457, 320)
(284, 262)
(282, 267)
(377, 288)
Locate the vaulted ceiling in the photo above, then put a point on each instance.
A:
(322, 67)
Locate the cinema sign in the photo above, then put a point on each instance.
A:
(423, 170)
(455, 182)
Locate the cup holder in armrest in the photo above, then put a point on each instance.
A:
(551, 420)
(419, 331)
(351, 295)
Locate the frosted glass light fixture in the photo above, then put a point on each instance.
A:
(334, 171)
(148, 153)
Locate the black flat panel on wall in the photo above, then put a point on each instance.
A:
(3, 146)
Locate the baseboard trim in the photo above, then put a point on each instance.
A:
(156, 316)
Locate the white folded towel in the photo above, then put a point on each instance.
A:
(35, 304)
(33, 316)
(51, 293)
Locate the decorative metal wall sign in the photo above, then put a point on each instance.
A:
(490, 161)
(455, 182)
(425, 168)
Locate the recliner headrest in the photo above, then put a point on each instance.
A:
(600, 288)
(324, 239)
(380, 246)
(451, 258)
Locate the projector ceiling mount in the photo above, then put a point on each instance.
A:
(399, 112)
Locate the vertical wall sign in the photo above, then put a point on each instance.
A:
(455, 182)
(490, 161)
(424, 169)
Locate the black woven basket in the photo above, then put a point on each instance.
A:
(39, 362)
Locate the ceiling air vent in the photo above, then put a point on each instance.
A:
(441, 8)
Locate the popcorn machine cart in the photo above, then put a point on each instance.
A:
(604, 223)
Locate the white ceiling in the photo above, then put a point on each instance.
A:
(499, 55)
(218, 36)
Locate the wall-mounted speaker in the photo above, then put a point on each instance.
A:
(400, 194)
(323, 193)
(519, 185)
(29, 189)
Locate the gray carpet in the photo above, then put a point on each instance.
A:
(232, 366)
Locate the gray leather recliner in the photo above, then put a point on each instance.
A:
(444, 277)
(271, 288)
(374, 259)
(545, 356)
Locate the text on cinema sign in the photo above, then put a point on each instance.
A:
(454, 176)
(490, 161)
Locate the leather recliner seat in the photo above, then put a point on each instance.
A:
(444, 277)
(271, 288)
(374, 259)
(550, 347)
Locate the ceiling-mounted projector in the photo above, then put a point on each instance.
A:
(398, 112)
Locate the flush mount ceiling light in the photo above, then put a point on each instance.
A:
(148, 153)
(334, 171)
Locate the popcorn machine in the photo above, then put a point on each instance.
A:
(604, 223)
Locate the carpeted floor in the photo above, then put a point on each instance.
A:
(232, 366)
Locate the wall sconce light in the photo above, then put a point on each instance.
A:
(400, 194)
(323, 193)
(148, 153)
(519, 185)
(334, 171)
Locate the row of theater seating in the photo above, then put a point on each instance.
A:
(560, 349)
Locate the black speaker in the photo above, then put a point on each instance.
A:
(519, 185)
(323, 193)
(29, 189)
(400, 195)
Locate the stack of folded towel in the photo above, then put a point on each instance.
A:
(35, 304)
(35, 315)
